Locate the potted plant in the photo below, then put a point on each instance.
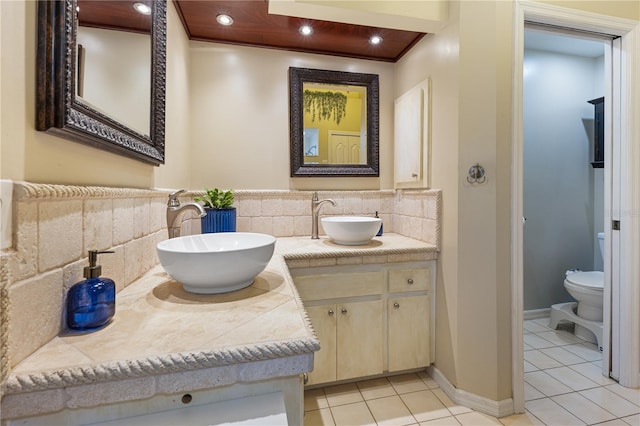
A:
(221, 216)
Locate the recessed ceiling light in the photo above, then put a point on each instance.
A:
(376, 39)
(224, 19)
(306, 30)
(142, 8)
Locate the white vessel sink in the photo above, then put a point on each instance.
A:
(351, 230)
(218, 262)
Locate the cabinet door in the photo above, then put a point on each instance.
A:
(360, 339)
(323, 319)
(408, 330)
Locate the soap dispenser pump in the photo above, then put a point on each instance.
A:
(381, 227)
(91, 303)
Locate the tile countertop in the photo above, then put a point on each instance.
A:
(159, 328)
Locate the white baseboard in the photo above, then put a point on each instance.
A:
(479, 403)
(536, 313)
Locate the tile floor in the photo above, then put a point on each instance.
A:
(563, 386)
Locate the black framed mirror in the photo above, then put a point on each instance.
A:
(334, 127)
(60, 79)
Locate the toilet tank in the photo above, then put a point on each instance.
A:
(601, 243)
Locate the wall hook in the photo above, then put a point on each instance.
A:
(476, 174)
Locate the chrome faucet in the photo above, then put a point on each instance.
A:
(175, 213)
(315, 212)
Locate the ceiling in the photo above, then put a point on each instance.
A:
(254, 26)
(563, 43)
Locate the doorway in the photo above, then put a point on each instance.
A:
(619, 246)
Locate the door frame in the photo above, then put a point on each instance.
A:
(626, 96)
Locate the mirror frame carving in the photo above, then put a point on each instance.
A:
(59, 112)
(299, 76)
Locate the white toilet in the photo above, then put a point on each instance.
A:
(587, 288)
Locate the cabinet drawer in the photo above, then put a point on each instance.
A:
(408, 280)
(333, 286)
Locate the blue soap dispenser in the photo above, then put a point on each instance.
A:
(91, 303)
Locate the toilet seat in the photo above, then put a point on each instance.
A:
(593, 280)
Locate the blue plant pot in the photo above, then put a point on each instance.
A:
(219, 220)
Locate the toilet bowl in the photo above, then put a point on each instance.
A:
(587, 288)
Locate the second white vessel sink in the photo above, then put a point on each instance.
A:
(351, 230)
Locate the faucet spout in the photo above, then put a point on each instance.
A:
(316, 203)
(176, 212)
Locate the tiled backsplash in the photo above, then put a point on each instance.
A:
(54, 226)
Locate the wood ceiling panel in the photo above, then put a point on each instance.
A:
(254, 26)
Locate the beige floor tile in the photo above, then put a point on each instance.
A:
(540, 360)
(342, 394)
(615, 422)
(320, 417)
(559, 337)
(629, 394)
(352, 414)
(530, 326)
(592, 372)
(476, 418)
(583, 408)
(376, 388)
(431, 384)
(425, 405)
(571, 378)
(407, 383)
(551, 413)
(529, 367)
(544, 321)
(562, 356)
(585, 351)
(537, 342)
(633, 420)
(315, 399)
(523, 419)
(445, 421)
(611, 402)
(531, 393)
(454, 408)
(390, 411)
(545, 383)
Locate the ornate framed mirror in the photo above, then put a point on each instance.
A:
(334, 126)
(79, 97)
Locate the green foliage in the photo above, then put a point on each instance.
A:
(324, 104)
(216, 198)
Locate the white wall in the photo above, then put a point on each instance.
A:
(559, 181)
(240, 117)
(116, 71)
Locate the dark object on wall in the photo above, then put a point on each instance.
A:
(60, 112)
(598, 137)
(297, 78)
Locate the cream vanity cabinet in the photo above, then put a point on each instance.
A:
(370, 319)
(408, 319)
(346, 311)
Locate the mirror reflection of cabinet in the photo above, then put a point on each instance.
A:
(598, 135)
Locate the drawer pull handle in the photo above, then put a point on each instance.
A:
(305, 378)
(396, 305)
(330, 312)
(344, 311)
(410, 281)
